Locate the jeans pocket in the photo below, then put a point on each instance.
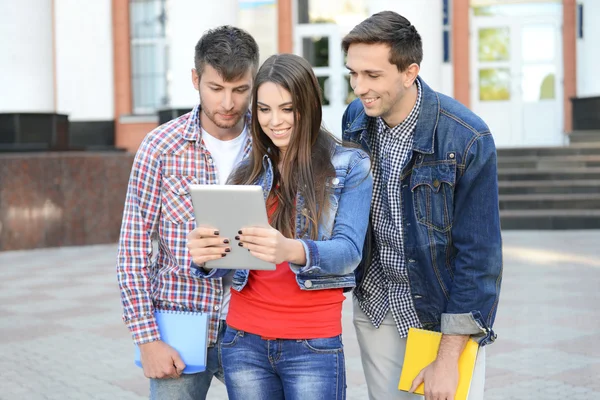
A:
(324, 345)
(230, 337)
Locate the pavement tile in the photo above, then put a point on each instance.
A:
(539, 362)
(588, 377)
(585, 345)
(32, 332)
(63, 338)
(502, 378)
(541, 389)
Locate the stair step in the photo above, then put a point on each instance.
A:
(529, 174)
(550, 219)
(550, 186)
(573, 149)
(587, 136)
(549, 162)
(550, 201)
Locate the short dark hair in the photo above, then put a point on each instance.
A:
(231, 51)
(392, 29)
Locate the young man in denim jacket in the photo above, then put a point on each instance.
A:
(434, 259)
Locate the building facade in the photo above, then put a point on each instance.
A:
(113, 66)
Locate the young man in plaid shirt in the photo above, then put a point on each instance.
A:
(201, 147)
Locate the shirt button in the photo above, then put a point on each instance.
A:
(436, 183)
(181, 192)
(335, 181)
(218, 290)
(210, 160)
(451, 155)
(308, 284)
(217, 308)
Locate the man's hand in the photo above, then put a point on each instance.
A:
(159, 360)
(205, 244)
(441, 376)
(441, 380)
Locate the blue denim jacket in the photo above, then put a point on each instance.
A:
(450, 216)
(332, 259)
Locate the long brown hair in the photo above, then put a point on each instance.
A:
(307, 161)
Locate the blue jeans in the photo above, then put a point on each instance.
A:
(191, 386)
(277, 369)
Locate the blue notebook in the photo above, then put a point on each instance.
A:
(186, 332)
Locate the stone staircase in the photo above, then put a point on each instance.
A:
(551, 187)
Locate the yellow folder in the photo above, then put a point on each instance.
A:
(421, 350)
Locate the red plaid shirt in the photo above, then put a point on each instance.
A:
(158, 205)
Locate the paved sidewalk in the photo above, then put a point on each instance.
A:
(61, 336)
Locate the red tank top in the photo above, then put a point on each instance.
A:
(272, 305)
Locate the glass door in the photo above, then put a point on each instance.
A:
(320, 45)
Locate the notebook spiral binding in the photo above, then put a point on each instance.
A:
(159, 310)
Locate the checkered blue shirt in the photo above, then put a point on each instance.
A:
(158, 205)
(385, 285)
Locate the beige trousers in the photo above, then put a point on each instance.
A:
(382, 354)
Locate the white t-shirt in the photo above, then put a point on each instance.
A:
(226, 155)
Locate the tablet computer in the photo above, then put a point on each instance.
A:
(228, 208)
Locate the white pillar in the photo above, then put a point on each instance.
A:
(187, 21)
(84, 59)
(27, 67)
(426, 16)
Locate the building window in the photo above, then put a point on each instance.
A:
(447, 19)
(148, 55)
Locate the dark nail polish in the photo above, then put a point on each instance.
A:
(227, 250)
(226, 241)
(223, 254)
(240, 232)
(216, 233)
(237, 238)
(241, 244)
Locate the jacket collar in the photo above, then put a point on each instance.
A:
(423, 140)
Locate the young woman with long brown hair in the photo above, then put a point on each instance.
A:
(283, 339)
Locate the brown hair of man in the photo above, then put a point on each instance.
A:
(392, 29)
(229, 50)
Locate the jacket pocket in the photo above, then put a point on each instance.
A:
(176, 200)
(433, 194)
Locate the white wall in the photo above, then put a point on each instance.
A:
(187, 21)
(447, 80)
(588, 51)
(27, 67)
(426, 16)
(84, 59)
(262, 23)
